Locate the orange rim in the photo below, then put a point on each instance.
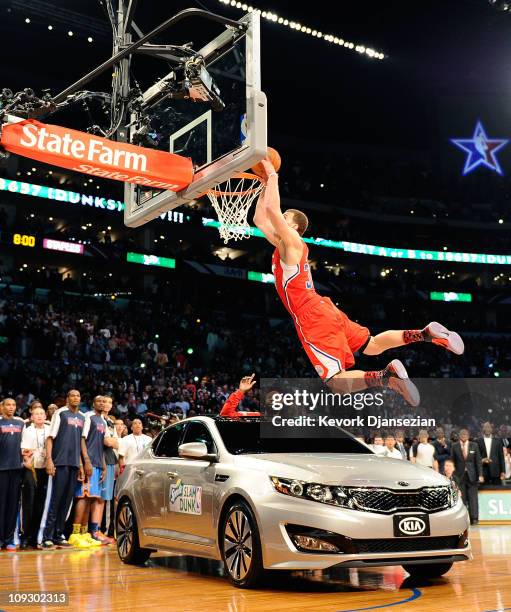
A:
(238, 175)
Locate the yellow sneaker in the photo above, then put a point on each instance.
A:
(88, 538)
(77, 540)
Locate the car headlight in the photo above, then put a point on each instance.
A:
(454, 494)
(313, 491)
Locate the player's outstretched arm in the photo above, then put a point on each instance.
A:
(262, 221)
(287, 234)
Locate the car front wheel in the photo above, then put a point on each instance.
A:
(128, 545)
(241, 546)
(428, 570)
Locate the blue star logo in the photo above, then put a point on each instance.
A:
(481, 150)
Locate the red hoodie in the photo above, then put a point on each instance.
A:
(232, 402)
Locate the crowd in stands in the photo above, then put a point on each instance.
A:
(148, 359)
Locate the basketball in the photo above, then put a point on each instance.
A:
(273, 156)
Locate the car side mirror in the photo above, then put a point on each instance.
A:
(196, 450)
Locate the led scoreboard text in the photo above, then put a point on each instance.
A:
(23, 240)
(71, 197)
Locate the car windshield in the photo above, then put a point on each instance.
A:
(244, 437)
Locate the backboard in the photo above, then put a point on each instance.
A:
(219, 142)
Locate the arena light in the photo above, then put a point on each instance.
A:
(450, 296)
(308, 31)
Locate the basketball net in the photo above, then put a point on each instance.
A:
(231, 200)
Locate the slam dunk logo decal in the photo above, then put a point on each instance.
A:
(185, 498)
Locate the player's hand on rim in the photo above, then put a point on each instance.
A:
(246, 383)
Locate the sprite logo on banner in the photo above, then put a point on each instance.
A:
(185, 498)
(494, 505)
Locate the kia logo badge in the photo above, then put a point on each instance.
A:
(412, 525)
(403, 483)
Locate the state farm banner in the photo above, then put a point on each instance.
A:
(97, 156)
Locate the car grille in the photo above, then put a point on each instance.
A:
(428, 499)
(405, 544)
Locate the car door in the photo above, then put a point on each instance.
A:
(152, 474)
(190, 492)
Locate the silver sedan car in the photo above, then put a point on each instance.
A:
(213, 487)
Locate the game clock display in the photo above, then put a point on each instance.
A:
(26, 240)
(23, 239)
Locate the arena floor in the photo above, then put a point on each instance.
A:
(97, 580)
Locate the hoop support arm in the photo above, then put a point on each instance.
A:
(191, 12)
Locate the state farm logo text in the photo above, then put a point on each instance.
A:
(92, 150)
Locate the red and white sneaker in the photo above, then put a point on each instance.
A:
(399, 382)
(101, 537)
(438, 334)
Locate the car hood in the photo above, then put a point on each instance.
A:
(345, 469)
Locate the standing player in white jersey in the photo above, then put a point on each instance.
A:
(328, 336)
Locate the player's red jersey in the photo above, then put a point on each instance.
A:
(326, 333)
(294, 283)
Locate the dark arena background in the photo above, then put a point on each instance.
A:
(128, 323)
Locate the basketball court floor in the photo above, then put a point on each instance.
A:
(97, 580)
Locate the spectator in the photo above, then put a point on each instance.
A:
(11, 432)
(161, 359)
(120, 428)
(390, 448)
(111, 460)
(424, 453)
(377, 445)
(507, 459)
(469, 471)
(131, 445)
(35, 478)
(141, 407)
(449, 471)
(182, 404)
(492, 456)
(64, 466)
(443, 449)
(401, 444)
(50, 411)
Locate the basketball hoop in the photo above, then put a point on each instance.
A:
(231, 200)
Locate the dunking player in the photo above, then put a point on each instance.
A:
(328, 336)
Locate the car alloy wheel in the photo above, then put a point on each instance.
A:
(125, 531)
(128, 544)
(238, 544)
